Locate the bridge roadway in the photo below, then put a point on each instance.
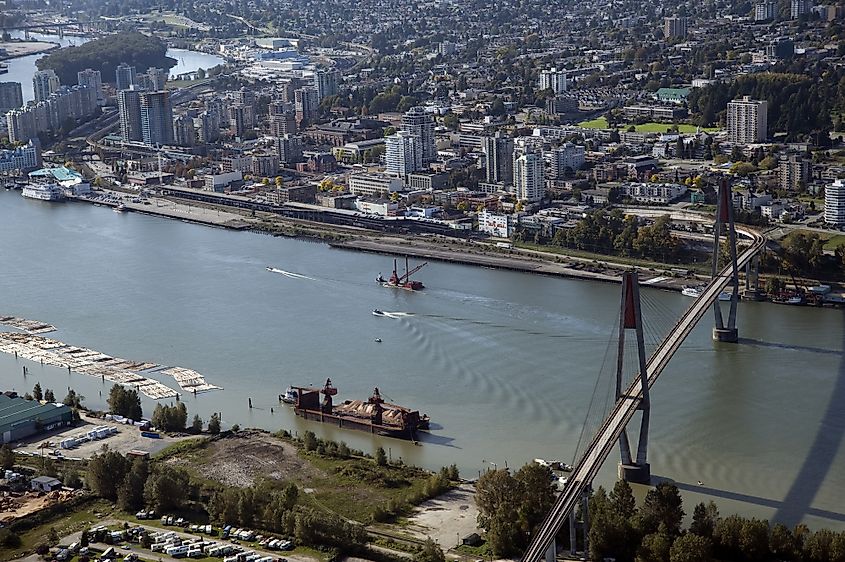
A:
(607, 436)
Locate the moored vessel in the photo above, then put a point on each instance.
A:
(374, 415)
(43, 192)
(403, 281)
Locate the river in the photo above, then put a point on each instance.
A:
(22, 69)
(504, 362)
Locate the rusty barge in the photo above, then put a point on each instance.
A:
(373, 415)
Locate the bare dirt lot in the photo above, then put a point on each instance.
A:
(128, 438)
(242, 459)
(447, 518)
(16, 506)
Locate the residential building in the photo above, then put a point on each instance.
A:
(21, 159)
(427, 181)
(834, 203)
(207, 126)
(781, 48)
(403, 154)
(561, 105)
(241, 119)
(184, 133)
(94, 80)
(265, 165)
(44, 84)
(419, 122)
(800, 7)
(326, 83)
(156, 118)
(282, 124)
(129, 113)
(661, 193)
(566, 160)
(528, 178)
(553, 79)
(498, 152)
(747, 120)
(373, 185)
(52, 114)
(157, 78)
(494, 224)
(794, 173)
(289, 149)
(765, 10)
(124, 76)
(674, 27)
(305, 104)
(11, 96)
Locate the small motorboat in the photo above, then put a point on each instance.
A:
(377, 340)
(377, 312)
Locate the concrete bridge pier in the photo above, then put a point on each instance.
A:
(725, 332)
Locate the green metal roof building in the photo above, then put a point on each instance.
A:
(21, 418)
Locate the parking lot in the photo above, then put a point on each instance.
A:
(128, 438)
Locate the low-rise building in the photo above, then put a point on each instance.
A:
(21, 159)
(661, 193)
(495, 224)
(380, 207)
(373, 185)
(21, 418)
(219, 182)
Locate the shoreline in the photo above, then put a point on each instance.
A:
(28, 48)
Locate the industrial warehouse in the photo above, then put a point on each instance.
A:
(21, 418)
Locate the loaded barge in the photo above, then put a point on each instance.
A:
(374, 415)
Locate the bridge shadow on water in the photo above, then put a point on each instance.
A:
(773, 345)
(747, 498)
(820, 457)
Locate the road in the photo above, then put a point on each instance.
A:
(608, 435)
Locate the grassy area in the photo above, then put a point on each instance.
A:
(699, 267)
(63, 523)
(832, 239)
(601, 123)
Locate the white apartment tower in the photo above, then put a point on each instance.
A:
(553, 79)
(834, 203)
(417, 121)
(403, 154)
(94, 80)
(44, 83)
(528, 179)
(747, 120)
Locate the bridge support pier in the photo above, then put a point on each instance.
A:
(551, 553)
(633, 469)
(725, 332)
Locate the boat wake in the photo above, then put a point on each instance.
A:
(290, 274)
(395, 315)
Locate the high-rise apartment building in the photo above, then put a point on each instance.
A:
(747, 120)
(52, 114)
(800, 7)
(241, 119)
(566, 160)
(554, 80)
(124, 76)
(403, 154)
(305, 104)
(282, 124)
(419, 122)
(129, 113)
(94, 80)
(326, 82)
(44, 83)
(157, 78)
(498, 152)
(11, 96)
(528, 176)
(674, 27)
(765, 10)
(834, 203)
(794, 173)
(156, 118)
(289, 149)
(184, 133)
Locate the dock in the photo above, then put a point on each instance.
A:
(96, 364)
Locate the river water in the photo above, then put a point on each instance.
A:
(505, 363)
(22, 69)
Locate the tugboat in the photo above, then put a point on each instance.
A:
(403, 281)
(290, 396)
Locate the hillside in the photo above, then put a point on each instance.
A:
(104, 54)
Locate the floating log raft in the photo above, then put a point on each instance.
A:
(29, 326)
(95, 364)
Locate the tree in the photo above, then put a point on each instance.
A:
(196, 425)
(167, 488)
(106, 472)
(381, 457)
(309, 440)
(754, 539)
(690, 548)
(622, 499)
(130, 494)
(536, 484)
(214, 424)
(704, 519)
(655, 547)
(73, 399)
(663, 504)
(49, 396)
(125, 402)
(36, 392)
(71, 478)
(7, 457)
(430, 553)
(498, 497)
(782, 543)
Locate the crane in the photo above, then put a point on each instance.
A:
(404, 281)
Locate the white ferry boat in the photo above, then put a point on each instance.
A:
(696, 291)
(43, 191)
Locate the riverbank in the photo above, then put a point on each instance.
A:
(14, 49)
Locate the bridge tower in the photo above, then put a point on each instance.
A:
(725, 332)
(633, 469)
